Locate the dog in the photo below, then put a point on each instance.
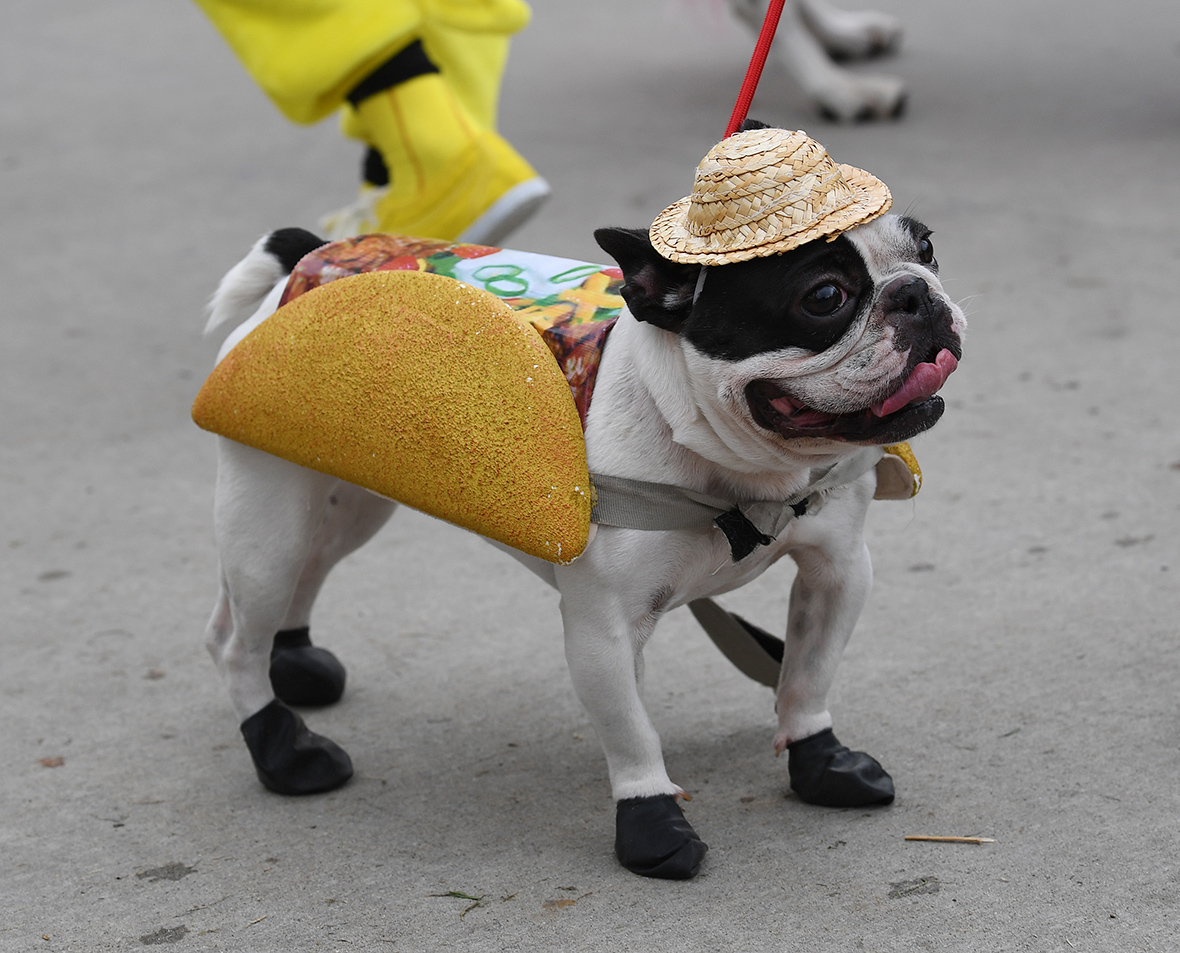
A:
(742, 381)
(813, 40)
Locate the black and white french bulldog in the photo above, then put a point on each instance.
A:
(739, 382)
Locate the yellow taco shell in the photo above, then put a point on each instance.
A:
(424, 390)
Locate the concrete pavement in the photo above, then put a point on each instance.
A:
(1016, 668)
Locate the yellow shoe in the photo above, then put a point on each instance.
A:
(502, 217)
(481, 196)
(450, 178)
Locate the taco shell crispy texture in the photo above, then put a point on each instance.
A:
(424, 390)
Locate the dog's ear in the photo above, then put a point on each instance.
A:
(656, 290)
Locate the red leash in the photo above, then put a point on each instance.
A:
(754, 72)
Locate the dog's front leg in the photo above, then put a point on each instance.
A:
(605, 630)
(830, 590)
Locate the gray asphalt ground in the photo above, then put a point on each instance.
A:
(1016, 668)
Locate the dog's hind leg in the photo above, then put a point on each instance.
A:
(829, 592)
(302, 673)
(266, 516)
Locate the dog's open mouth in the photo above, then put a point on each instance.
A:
(910, 409)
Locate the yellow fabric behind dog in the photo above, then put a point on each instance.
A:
(424, 390)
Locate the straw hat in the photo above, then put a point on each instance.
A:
(762, 192)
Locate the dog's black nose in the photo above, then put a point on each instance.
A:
(908, 294)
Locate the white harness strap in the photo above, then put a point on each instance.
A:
(654, 506)
(636, 504)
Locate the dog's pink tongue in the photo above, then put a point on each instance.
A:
(924, 381)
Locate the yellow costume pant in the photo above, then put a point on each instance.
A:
(308, 54)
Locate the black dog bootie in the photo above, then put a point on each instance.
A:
(304, 674)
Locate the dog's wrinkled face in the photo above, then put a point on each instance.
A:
(842, 341)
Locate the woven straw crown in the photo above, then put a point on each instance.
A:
(763, 192)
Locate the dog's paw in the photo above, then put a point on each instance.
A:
(302, 673)
(653, 838)
(288, 757)
(825, 772)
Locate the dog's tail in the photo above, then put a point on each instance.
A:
(249, 281)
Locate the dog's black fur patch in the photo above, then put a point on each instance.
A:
(762, 305)
(922, 241)
(749, 307)
(922, 323)
(656, 290)
(288, 245)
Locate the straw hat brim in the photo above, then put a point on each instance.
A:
(671, 237)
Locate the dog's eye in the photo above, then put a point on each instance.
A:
(824, 300)
(925, 250)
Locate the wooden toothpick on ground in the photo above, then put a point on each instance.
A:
(951, 840)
